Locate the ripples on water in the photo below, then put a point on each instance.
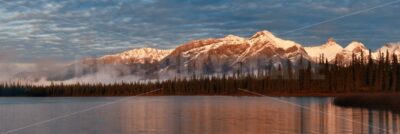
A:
(192, 115)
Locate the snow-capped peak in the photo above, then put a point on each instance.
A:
(332, 43)
(231, 50)
(232, 37)
(140, 55)
(329, 50)
(263, 36)
(392, 48)
(331, 40)
(261, 33)
(355, 46)
(145, 53)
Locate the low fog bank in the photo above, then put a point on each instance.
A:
(47, 71)
(94, 71)
(86, 70)
(45, 74)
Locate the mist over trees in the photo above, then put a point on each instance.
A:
(363, 74)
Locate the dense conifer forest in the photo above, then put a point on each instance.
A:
(362, 75)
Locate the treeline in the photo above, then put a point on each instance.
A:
(363, 74)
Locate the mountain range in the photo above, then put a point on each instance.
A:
(221, 55)
(261, 48)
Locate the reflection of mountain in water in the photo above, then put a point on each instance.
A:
(200, 115)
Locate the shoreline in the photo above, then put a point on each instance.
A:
(378, 101)
(237, 93)
(368, 100)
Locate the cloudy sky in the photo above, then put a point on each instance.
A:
(70, 29)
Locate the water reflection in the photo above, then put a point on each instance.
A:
(203, 114)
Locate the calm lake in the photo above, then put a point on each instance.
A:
(189, 115)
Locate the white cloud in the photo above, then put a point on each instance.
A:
(57, 28)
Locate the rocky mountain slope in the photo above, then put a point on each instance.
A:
(231, 52)
(228, 54)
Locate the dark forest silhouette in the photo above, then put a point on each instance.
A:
(362, 75)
